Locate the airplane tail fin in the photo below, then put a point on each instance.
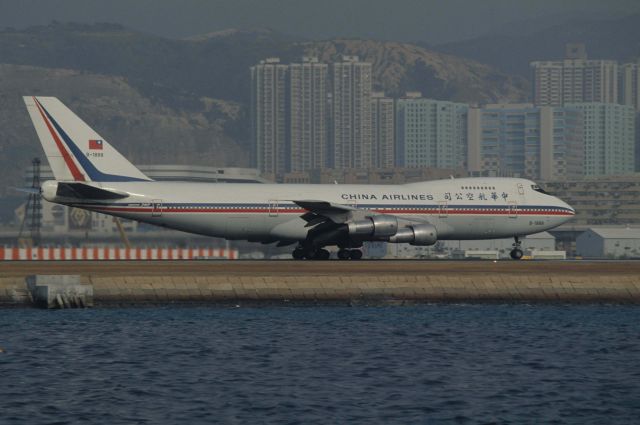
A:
(74, 150)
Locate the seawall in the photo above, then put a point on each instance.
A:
(327, 281)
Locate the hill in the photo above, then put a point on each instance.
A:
(142, 129)
(162, 100)
(401, 67)
(511, 51)
(217, 65)
(173, 71)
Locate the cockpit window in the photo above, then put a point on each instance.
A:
(539, 189)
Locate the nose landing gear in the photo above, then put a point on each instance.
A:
(516, 252)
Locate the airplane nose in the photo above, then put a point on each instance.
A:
(568, 208)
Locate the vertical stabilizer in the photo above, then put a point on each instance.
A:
(74, 150)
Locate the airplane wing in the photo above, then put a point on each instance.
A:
(330, 222)
(321, 207)
(320, 211)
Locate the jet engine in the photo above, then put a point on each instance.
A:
(416, 234)
(375, 226)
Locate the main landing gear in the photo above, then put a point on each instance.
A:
(310, 254)
(302, 253)
(349, 254)
(516, 252)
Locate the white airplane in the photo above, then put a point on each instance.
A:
(91, 174)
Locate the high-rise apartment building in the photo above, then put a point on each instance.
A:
(383, 121)
(547, 83)
(609, 138)
(575, 79)
(351, 107)
(308, 114)
(630, 96)
(630, 85)
(522, 140)
(269, 116)
(430, 133)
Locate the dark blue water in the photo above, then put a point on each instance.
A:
(425, 364)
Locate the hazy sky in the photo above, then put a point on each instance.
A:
(434, 21)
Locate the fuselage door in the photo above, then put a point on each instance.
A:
(156, 208)
(273, 208)
(443, 209)
(513, 209)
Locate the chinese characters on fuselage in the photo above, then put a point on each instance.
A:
(447, 196)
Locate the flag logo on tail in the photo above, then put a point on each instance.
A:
(95, 145)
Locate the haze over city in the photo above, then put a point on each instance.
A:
(431, 21)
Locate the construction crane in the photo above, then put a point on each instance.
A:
(32, 211)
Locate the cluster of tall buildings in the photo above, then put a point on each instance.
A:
(606, 94)
(312, 115)
(308, 115)
(577, 79)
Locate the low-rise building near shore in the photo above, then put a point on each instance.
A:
(606, 242)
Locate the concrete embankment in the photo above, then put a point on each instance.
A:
(379, 281)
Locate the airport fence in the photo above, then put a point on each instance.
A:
(12, 253)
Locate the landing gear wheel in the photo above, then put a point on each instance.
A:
(344, 254)
(321, 254)
(298, 254)
(516, 254)
(355, 254)
(309, 254)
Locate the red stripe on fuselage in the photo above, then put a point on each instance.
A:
(302, 211)
(75, 172)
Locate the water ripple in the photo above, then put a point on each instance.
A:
(466, 364)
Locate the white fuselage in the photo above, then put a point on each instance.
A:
(466, 208)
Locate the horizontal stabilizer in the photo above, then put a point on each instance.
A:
(85, 191)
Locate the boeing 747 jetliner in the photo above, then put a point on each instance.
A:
(91, 174)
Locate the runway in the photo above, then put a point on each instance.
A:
(157, 282)
(315, 268)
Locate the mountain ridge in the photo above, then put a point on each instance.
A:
(614, 38)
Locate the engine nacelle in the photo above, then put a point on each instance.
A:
(416, 234)
(376, 226)
(425, 234)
